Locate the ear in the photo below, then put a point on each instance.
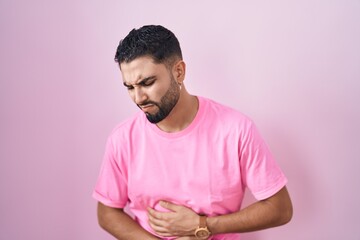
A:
(179, 71)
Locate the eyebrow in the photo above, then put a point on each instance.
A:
(140, 82)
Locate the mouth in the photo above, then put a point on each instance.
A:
(146, 107)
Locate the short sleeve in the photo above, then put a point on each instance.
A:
(260, 172)
(111, 187)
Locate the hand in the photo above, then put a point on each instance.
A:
(180, 221)
(186, 238)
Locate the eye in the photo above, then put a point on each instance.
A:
(128, 87)
(147, 83)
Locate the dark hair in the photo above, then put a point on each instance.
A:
(154, 41)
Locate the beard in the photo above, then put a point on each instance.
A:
(166, 104)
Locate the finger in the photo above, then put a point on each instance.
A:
(155, 214)
(156, 222)
(160, 215)
(170, 206)
(159, 229)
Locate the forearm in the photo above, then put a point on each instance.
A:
(272, 212)
(121, 225)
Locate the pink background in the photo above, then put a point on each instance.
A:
(293, 66)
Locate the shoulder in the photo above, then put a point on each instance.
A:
(223, 113)
(231, 122)
(128, 127)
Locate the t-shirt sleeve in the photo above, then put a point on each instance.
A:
(260, 172)
(111, 186)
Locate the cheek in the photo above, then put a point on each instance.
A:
(154, 93)
(159, 91)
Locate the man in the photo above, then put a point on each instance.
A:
(183, 162)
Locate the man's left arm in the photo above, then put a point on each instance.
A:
(181, 221)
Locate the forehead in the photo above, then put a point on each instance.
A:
(141, 67)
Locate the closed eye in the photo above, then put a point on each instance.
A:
(129, 87)
(146, 82)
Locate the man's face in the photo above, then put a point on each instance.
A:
(151, 86)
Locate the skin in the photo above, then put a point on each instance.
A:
(147, 84)
(147, 81)
(181, 221)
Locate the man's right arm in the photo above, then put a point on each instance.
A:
(120, 224)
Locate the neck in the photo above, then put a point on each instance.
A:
(181, 115)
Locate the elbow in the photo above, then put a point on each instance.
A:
(286, 218)
(101, 218)
(104, 214)
(102, 222)
(283, 207)
(285, 214)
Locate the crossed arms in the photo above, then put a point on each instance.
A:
(182, 222)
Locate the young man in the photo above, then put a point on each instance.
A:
(183, 162)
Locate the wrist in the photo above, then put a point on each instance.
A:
(202, 231)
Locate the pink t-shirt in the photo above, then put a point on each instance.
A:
(206, 166)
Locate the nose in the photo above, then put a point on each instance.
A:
(139, 96)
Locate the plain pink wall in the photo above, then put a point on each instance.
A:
(293, 66)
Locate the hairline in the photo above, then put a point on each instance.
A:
(168, 62)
